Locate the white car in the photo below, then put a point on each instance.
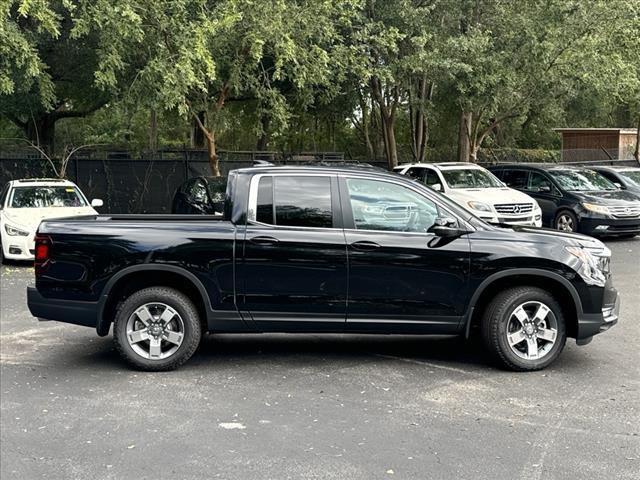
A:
(25, 203)
(478, 190)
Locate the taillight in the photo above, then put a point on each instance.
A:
(43, 252)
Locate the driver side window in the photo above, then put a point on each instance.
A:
(379, 205)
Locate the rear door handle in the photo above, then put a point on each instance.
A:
(365, 245)
(264, 240)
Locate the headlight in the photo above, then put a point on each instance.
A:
(596, 208)
(15, 232)
(592, 268)
(482, 207)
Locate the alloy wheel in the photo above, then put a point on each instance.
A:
(532, 330)
(155, 331)
(565, 223)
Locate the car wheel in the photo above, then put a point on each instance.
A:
(157, 329)
(566, 221)
(524, 329)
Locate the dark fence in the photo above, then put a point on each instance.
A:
(147, 182)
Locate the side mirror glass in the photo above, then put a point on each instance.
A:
(544, 189)
(97, 202)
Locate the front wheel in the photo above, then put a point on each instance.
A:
(157, 329)
(566, 221)
(524, 329)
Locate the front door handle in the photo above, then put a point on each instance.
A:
(264, 240)
(365, 245)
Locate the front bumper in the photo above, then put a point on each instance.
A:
(67, 311)
(18, 247)
(596, 225)
(592, 324)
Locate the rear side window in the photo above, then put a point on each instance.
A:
(515, 178)
(295, 201)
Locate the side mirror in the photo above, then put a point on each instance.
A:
(446, 227)
(437, 187)
(96, 202)
(544, 189)
(619, 185)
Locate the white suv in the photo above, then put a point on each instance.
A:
(478, 190)
(25, 203)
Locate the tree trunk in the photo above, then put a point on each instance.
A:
(636, 154)
(197, 136)
(464, 136)
(212, 154)
(41, 131)
(153, 131)
(263, 139)
(422, 93)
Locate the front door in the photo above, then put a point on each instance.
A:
(401, 277)
(546, 194)
(293, 274)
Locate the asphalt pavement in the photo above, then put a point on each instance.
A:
(316, 406)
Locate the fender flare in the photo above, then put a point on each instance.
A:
(103, 325)
(516, 272)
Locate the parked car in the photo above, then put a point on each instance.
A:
(575, 199)
(200, 196)
(626, 178)
(24, 203)
(477, 190)
(303, 249)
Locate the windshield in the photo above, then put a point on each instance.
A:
(45, 197)
(470, 178)
(581, 180)
(631, 175)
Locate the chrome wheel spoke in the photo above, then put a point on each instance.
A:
(155, 349)
(136, 336)
(167, 315)
(532, 347)
(173, 337)
(521, 315)
(541, 313)
(516, 337)
(144, 315)
(547, 334)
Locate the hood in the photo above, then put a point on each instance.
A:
(491, 196)
(549, 235)
(612, 197)
(31, 217)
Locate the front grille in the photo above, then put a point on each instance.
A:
(514, 208)
(625, 212)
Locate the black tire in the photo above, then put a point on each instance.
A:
(566, 219)
(180, 303)
(498, 318)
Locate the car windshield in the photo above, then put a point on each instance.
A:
(581, 180)
(631, 175)
(470, 178)
(45, 197)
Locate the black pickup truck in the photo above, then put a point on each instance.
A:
(311, 249)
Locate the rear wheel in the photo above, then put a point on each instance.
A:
(566, 221)
(524, 328)
(157, 329)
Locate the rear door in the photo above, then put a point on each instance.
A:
(401, 277)
(293, 273)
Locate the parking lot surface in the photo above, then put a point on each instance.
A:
(317, 406)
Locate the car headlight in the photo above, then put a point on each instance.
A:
(481, 207)
(593, 269)
(592, 207)
(14, 231)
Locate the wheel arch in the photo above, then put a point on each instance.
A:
(131, 279)
(553, 283)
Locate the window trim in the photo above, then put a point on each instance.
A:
(252, 204)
